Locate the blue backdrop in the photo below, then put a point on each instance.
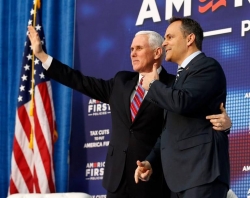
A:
(103, 34)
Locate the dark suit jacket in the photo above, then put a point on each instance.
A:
(129, 141)
(192, 153)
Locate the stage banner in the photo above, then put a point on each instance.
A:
(103, 34)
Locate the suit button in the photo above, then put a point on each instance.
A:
(131, 131)
(125, 151)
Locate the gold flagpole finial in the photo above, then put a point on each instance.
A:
(38, 4)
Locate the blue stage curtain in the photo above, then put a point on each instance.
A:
(58, 22)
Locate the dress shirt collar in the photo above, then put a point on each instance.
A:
(188, 59)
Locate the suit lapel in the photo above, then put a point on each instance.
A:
(194, 60)
(167, 79)
(190, 65)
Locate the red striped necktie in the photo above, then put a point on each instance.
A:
(137, 100)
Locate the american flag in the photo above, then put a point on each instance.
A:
(32, 168)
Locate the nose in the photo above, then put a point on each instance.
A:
(132, 53)
(164, 44)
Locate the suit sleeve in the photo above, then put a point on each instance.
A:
(204, 86)
(154, 157)
(95, 88)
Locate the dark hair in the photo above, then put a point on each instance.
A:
(189, 26)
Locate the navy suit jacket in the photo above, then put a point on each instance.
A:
(129, 141)
(192, 153)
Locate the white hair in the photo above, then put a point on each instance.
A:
(155, 40)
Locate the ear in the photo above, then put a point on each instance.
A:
(190, 39)
(158, 53)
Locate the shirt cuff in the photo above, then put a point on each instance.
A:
(151, 83)
(227, 131)
(47, 63)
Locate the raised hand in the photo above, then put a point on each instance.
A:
(36, 44)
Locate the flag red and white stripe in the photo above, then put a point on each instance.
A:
(32, 168)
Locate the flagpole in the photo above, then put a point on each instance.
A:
(36, 5)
